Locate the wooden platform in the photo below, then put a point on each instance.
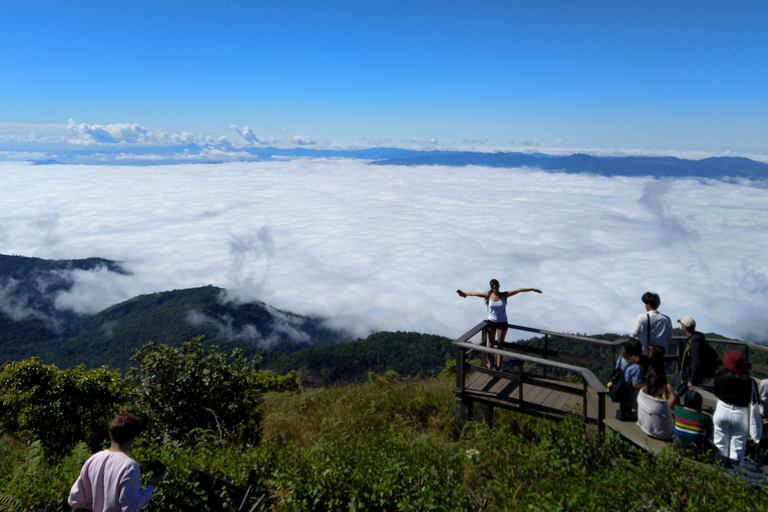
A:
(501, 390)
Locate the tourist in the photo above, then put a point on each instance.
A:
(654, 408)
(110, 480)
(654, 330)
(693, 428)
(733, 388)
(629, 362)
(697, 362)
(496, 301)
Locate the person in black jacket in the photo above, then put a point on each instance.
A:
(698, 360)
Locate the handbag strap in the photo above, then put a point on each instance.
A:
(649, 328)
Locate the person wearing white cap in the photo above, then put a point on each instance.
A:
(698, 360)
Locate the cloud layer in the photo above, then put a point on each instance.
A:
(385, 248)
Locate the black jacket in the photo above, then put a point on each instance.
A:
(698, 361)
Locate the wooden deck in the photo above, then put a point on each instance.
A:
(542, 397)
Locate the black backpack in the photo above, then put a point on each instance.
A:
(618, 389)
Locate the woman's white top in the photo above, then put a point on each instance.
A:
(497, 311)
(654, 416)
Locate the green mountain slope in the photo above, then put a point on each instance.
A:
(172, 317)
(410, 354)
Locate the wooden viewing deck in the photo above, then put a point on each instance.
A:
(545, 387)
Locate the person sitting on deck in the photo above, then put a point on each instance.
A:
(654, 408)
(629, 361)
(693, 428)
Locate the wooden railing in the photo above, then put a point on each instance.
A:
(543, 358)
(673, 356)
(591, 390)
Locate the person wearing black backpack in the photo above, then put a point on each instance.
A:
(697, 362)
(627, 380)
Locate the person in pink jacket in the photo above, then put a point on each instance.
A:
(110, 480)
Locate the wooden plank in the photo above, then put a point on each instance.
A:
(562, 399)
(478, 381)
(558, 385)
(545, 400)
(573, 404)
(529, 391)
(499, 385)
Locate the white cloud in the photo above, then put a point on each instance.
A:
(302, 140)
(88, 134)
(93, 289)
(385, 247)
(246, 133)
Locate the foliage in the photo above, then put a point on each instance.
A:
(388, 445)
(410, 354)
(181, 390)
(59, 407)
(32, 481)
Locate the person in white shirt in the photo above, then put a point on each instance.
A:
(110, 480)
(654, 330)
(654, 409)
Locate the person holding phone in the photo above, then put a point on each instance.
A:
(110, 479)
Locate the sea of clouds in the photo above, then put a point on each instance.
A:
(385, 247)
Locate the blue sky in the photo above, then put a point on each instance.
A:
(666, 76)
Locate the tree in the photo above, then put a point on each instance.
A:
(182, 390)
(59, 407)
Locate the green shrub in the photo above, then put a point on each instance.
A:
(59, 407)
(181, 390)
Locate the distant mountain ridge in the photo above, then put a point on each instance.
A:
(37, 328)
(656, 166)
(659, 167)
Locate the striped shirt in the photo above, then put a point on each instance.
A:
(692, 427)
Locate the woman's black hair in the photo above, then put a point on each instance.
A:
(488, 295)
(654, 384)
(693, 400)
(632, 347)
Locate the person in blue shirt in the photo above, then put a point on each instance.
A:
(629, 361)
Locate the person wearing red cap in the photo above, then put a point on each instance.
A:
(733, 388)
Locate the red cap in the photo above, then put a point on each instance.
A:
(734, 361)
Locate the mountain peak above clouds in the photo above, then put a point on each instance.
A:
(32, 325)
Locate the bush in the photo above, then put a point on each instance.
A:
(59, 407)
(187, 389)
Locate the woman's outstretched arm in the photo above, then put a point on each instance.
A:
(471, 294)
(521, 290)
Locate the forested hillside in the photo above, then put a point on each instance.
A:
(33, 323)
(409, 354)
(109, 337)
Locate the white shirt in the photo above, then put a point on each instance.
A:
(655, 417)
(110, 482)
(661, 329)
